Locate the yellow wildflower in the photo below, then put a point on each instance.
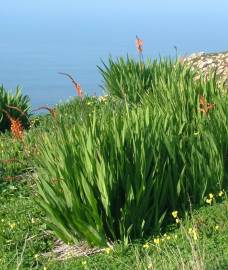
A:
(216, 227)
(146, 246)
(36, 256)
(33, 220)
(174, 214)
(168, 237)
(193, 232)
(177, 220)
(12, 225)
(157, 241)
(84, 262)
(211, 196)
(194, 235)
(108, 250)
(221, 193)
(209, 201)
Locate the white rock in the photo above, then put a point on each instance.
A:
(196, 54)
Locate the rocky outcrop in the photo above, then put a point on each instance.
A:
(207, 62)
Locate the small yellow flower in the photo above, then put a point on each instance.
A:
(12, 225)
(84, 262)
(195, 237)
(108, 250)
(33, 220)
(177, 220)
(193, 232)
(216, 227)
(157, 241)
(209, 201)
(146, 246)
(174, 214)
(175, 236)
(45, 268)
(168, 237)
(221, 193)
(36, 256)
(211, 196)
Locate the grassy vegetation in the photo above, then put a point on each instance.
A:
(24, 238)
(144, 169)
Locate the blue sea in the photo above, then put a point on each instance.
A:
(38, 39)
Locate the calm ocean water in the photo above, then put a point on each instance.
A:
(34, 48)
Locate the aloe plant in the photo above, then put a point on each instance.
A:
(7, 102)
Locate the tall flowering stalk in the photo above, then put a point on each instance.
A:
(51, 110)
(79, 90)
(139, 44)
(139, 47)
(77, 85)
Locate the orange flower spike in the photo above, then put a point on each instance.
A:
(204, 106)
(202, 103)
(77, 85)
(79, 90)
(53, 113)
(16, 128)
(139, 44)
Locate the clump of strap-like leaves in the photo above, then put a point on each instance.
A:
(118, 175)
(16, 105)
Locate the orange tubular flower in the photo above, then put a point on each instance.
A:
(204, 106)
(79, 90)
(77, 85)
(16, 128)
(139, 44)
